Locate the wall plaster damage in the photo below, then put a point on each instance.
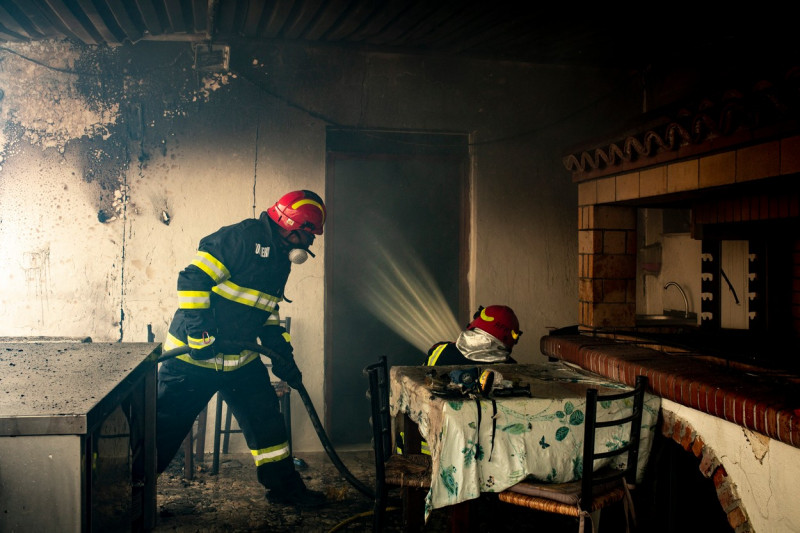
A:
(104, 111)
(55, 94)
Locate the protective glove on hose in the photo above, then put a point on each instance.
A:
(286, 370)
(284, 367)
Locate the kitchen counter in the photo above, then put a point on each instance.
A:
(766, 400)
(77, 435)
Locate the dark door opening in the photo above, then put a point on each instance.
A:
(401, 194)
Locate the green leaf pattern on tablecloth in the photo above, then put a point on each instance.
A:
(561, 433)
(576, 418)
(570, 416)
(544, 439)
(516, 429)
(471, 451)
(449, 480)
(577, 467)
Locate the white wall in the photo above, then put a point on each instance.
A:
(764, 471)
(156, 137)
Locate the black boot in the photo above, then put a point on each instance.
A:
(294, 492)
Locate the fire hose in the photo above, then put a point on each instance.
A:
(301, 390)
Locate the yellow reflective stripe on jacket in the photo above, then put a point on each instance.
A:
(199, 343)
(221, 361)
(423, 445)
(226, 363)
(211, 266)
(194, 299)
(271, 454)
(260, 300)
(273, 320)
(435, 355)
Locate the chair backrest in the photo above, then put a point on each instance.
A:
(380, 418)
(631, 448)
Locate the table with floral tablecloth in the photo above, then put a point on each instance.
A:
(487, 444)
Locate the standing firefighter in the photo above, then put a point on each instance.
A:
(489, 338)
(230, 292)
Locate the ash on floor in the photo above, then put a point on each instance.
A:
(233, 501)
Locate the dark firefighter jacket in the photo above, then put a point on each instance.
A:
(446, 353)
(231, 291)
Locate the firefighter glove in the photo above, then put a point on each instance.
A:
(286, 370)
(201, 354)
(277, 339)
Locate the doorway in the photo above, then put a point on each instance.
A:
(397, 210)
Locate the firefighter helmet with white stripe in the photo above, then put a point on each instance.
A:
(299, 210)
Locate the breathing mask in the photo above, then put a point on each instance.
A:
(298, 256)
(477, 345)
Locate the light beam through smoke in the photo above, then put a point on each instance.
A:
(401, 293)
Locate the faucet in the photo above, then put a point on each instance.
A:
(685, 300)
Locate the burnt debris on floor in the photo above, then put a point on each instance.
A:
(233, 501)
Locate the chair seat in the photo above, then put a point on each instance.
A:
(410, 470)
(560, 498)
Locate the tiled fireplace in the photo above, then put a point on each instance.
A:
(722, 339)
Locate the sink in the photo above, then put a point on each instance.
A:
(667, 319)
(655, 317)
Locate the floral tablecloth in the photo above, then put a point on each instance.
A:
(514, 437)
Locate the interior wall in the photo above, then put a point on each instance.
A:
(115, 162)
(761, 470)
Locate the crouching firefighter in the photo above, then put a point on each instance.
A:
(489, 338)
(230, 292)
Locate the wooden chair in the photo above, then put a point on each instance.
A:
(595, 490)
(409, 470)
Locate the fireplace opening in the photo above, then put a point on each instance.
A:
(675, 496)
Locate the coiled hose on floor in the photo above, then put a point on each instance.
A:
(301, 390)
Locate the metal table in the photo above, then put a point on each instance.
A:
(77, 436)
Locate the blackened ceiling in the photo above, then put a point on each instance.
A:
(534, 32)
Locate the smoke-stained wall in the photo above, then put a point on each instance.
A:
(116, 161)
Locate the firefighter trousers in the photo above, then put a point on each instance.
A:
(185, 389)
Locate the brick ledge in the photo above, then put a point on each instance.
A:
(765, 403)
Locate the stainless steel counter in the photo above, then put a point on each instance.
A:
(77, 436)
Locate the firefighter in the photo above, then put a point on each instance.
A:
(489, 338)
(231, 292)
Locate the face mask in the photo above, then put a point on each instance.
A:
(298, 256)
(477, 345)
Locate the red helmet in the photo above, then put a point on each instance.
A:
(498, 321)
(299, 210)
